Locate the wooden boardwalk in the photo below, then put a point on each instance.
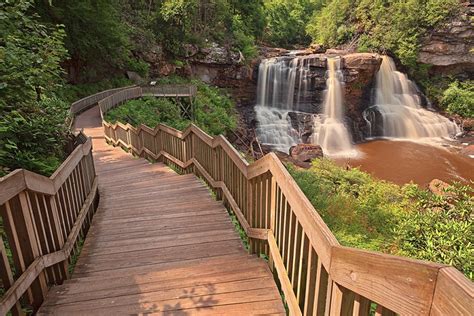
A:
(159, 243)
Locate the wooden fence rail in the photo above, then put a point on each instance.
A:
(317, 275)
(44, 219)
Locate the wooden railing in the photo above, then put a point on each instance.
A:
(85, 103)
(184, 90)
(316, 274)
(44, 219)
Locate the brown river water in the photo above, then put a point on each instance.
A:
(403, 161)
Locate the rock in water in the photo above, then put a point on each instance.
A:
(306, 152)
(438, 187)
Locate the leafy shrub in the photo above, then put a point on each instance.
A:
(360, 211)
(149, 111)
(139, 66)
(367, 213)
(459, 98)
(245, 42)
(34, 139)
(440, 228)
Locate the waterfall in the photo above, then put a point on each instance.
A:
(278, 79)
(329, 129)
(398, 112)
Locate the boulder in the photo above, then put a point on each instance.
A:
(437, 187)
(136, 78)
(306, 152)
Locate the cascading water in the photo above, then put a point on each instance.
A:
(398, 112)
(329, 129)
(277, 80)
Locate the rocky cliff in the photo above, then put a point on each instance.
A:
(449, 47)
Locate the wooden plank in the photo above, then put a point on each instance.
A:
(365, 273)
(454, 294)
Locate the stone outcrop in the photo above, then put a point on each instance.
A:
(306, 152)
(448, 47)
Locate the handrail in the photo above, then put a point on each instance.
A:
(44, 218)
(316, 274)
(86, 102)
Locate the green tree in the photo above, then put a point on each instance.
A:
(380, 25)
(97, 40)
(287, 20)
(33, 123)
(30, 53)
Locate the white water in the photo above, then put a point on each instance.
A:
(277, 81)
(329, 129)
(397, 108)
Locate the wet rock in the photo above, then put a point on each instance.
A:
(306, 152)
(468, 151)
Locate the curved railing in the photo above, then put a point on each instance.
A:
(44, 219)
(91, 100)
(317, 275)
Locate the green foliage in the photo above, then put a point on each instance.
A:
(440, 228)
(287, 20)
(395, 26)
(459, 98)
(34, 138)
(33, 123)
(213, 111)
(97, 40)
(149, 111)
(245, 42)
(367, 213)
(359, 210)
(30, 53)
(71, 93)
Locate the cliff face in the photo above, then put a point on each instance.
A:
(448, 48)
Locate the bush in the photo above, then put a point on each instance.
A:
(149, 111)
(367, 213)
(360, 211)
(440, 228)
(459, 98)
(34, 139)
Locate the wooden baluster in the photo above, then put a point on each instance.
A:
(310, 281)
(22, 231)
(361, 306)
(5, 270)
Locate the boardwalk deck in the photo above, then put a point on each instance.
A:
(159, 243)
